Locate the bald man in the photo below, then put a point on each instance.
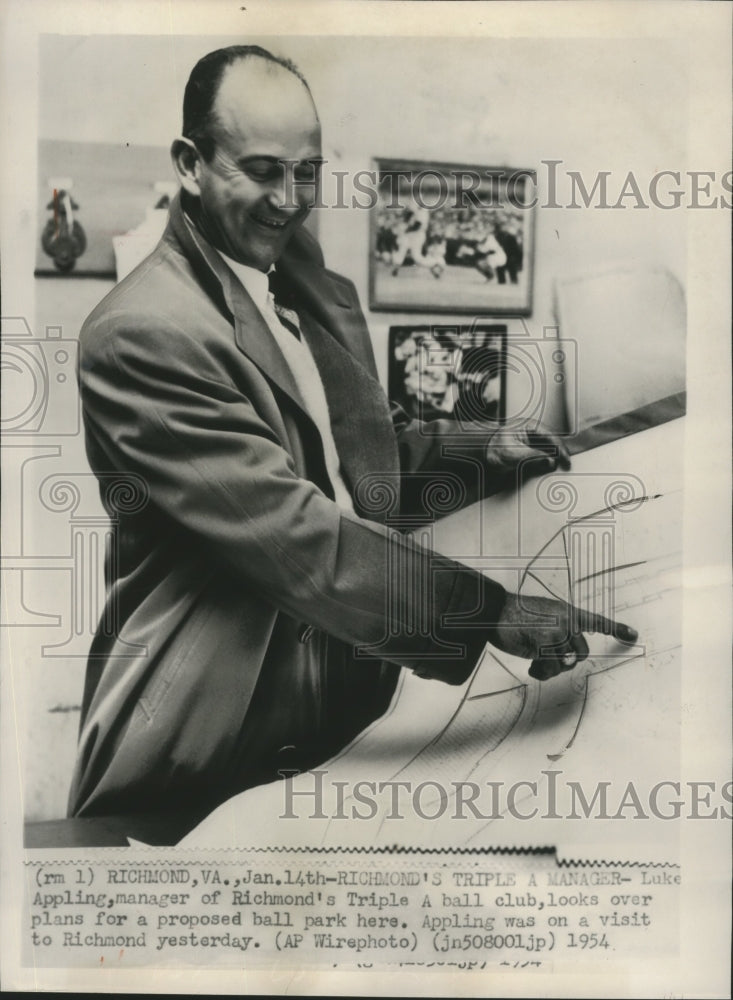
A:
(257, 613)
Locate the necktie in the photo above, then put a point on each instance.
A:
(287, 316)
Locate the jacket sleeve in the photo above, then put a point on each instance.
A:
(158, 405)
(421, 442)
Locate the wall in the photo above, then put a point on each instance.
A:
(593, 104)
(615, 105)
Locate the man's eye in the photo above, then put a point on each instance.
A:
(307, 173)
(265, 171)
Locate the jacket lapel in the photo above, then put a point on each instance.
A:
(251, 333)
(360, 416)
(332, 302)
(335, 330)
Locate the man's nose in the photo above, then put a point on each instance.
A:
(290, 194)
(276, 198)
(283, 199)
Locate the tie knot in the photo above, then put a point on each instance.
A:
(283, 299)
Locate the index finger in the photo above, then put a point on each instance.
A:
(587, 621)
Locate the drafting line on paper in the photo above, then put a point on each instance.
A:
(586, 517)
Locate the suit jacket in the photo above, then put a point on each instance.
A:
(237, 589)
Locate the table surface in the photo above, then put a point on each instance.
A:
(108, 831)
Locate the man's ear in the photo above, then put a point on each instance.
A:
(187, 164)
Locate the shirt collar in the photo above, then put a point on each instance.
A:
(254, 281)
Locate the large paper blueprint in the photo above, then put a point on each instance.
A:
(486, 754)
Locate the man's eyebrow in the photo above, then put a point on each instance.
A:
(267, 158)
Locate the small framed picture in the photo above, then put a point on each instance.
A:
(451, 238)
(456, 371)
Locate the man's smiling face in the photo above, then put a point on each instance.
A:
(248, 206)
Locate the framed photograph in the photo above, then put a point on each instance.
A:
(451, 238)
(455, 371)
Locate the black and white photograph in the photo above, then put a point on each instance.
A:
(366, 491)
(438, 243)
(440, 371)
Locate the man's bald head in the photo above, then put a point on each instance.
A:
(200, 116)
(250, 157)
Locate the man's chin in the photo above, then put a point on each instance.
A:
(263, 253)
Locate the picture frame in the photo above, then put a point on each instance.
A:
(449, 370)
(451, 238)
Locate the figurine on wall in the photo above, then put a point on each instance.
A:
(63, 238)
